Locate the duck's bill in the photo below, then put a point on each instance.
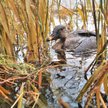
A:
(50, 38)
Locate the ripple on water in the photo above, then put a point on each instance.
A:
(67, 84)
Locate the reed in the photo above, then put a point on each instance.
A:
(24, 26)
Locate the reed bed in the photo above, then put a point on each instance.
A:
(24, 26)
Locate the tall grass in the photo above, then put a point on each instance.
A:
(25, 24)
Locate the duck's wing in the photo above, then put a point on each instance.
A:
(86, 45)
(72, 42)
(87, 34)
(84, 33)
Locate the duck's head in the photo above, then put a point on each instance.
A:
(59, 32)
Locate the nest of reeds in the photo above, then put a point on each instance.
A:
(20, 83)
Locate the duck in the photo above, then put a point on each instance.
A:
(79, 41)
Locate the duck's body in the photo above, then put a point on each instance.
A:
(77, 41)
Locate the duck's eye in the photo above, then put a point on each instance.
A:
(62, 28)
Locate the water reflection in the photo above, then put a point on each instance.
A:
(61, 56)
(61, 59)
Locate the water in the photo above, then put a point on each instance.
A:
(68, 80)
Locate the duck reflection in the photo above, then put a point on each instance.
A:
(61, 56)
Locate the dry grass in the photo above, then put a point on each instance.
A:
(24, 26)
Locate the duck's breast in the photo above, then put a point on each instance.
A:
(57, 46)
